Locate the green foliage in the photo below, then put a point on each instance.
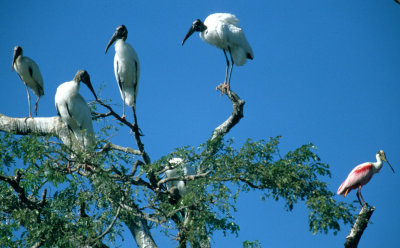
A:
(252, 244)
(86, 189)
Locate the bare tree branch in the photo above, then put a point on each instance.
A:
(359, 226)
(139, 143)
(41, 126)
(235, 117)
(110, 146)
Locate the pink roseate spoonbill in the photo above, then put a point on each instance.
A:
(223, 31)
(126, 68)
(361, 175)
(28, 71)
(73, 109)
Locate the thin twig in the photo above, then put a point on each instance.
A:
(136, 131)
(109, 227)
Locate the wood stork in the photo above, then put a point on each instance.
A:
(73, 110)
(180, 169)
(30, 75)
(223, 31)
(126, 68)
(361, 175)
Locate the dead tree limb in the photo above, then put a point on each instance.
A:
(235, 117)
(359, 226)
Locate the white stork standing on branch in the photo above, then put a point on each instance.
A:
(73, 109)
(30, 75)
(126, 69)
(223, 31)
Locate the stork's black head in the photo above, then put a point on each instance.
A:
(197, 26)
(120, 33)
(17, 52)
(83, 76)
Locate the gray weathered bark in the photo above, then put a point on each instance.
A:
(140, 231)
(39, 126)
(359, 226)
(233, 119)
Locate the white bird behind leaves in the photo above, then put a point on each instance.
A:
(180, 169)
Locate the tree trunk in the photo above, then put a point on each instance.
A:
(359, 226)
(140, 231)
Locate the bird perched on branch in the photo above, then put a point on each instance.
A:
(73, 109)
(361, 175)
(30, 75)
(223, 31)
(126, 69)
(180, 169)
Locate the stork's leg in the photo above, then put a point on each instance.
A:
(36, 105)
(227, 67)
(29, 101)
(123, 105)
(360, 195)
(223, 87)
(230, 72)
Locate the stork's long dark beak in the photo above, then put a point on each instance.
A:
(13, 61)
(112, 40)
(89, 85)
(189, 33)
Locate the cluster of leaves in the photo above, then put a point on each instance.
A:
(257, 165)
(54, 219)
(86, 190)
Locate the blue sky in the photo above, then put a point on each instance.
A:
(325, 72)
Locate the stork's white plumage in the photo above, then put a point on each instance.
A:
(126, 68)
(73, 109)
(223, 31)
(180, 169)
(30, 75)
